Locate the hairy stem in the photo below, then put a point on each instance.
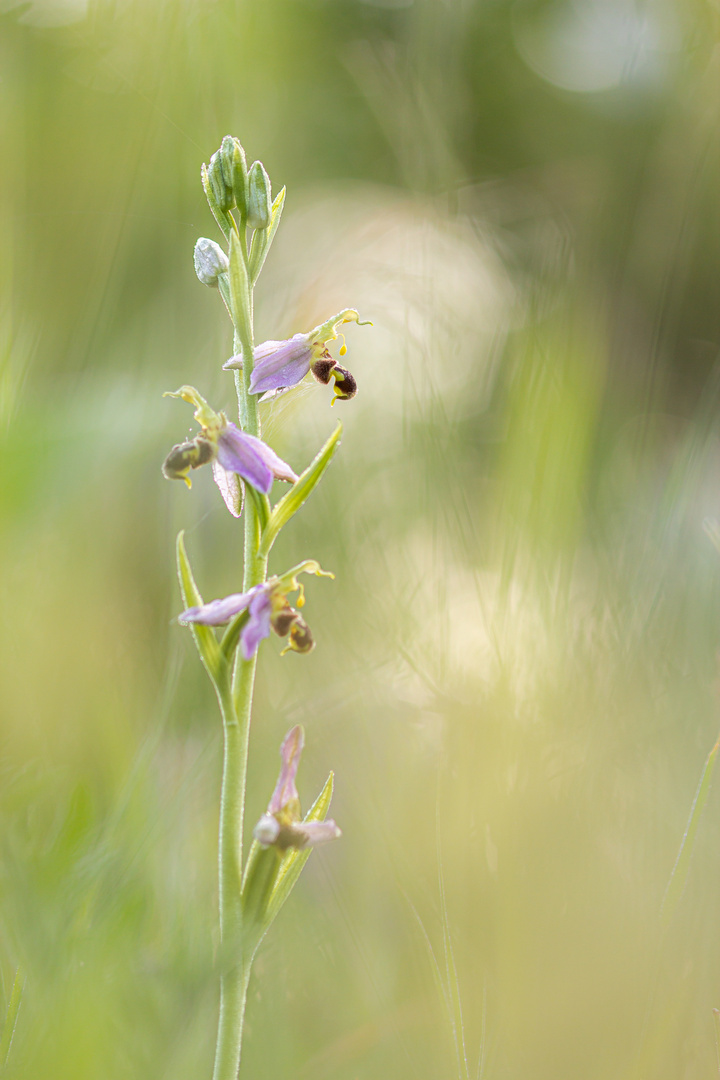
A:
(236, 705)
(235, 971)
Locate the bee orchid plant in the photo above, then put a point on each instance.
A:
(252, 889)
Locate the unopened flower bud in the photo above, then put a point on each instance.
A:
(259, 203)
(234, 168)
(210, 261)
(222, 191)
(345, 385)
(226, 152)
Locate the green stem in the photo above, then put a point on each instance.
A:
(234, 967)
(255, 566)
(236, 707)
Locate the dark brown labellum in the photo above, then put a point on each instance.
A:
(283, 620)
(205, 451)
(345, 385)
(322, 368)
(301, 639)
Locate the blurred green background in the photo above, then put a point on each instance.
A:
(516, 676)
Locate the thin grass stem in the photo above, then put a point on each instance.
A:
(679, 875)
(11, 1015)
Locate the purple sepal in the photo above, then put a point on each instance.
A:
(280, 363)
(258, 625)
(251, 458)
(237, 454)
(280, 469)
(219, 612)
(316, 832)
(285, 791)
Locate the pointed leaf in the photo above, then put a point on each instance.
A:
(231, 636)
(261, 870)
(205, 639)
(239, 283)
(263, 238)
(223, 218)
(259, 879)
(224, 289)
(299, 492)
(262, 506)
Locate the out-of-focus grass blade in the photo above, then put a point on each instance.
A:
(716, 1019)
(678, 878)
(299, 492)
(453, 985)
(263, 238)
(11, 1015)
(205, 639)
(712, 530)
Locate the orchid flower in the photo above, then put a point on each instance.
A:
(268, 609)
(279, 365)
(281, 825)
(233, 453)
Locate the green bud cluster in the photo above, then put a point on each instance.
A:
(227, 175)
(229, 184)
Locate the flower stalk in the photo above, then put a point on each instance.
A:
(236, 710)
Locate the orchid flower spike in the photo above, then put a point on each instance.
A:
(233, 454)
(281, 825)
(268, 609)
(279, 365)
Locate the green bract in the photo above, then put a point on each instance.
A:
(301, 490)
